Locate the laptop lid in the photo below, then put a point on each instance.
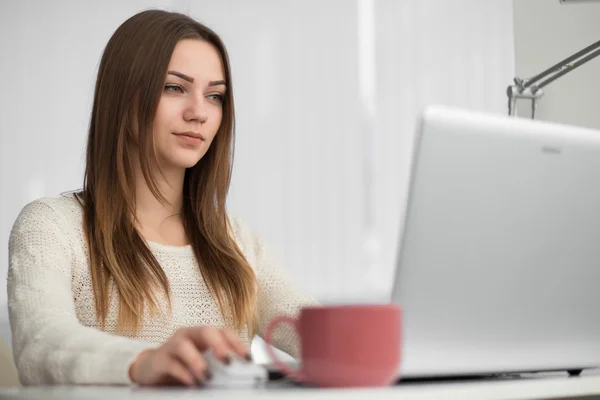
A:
(499, 266)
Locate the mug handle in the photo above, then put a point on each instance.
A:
(294, 374)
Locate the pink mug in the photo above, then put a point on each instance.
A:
(344, 346)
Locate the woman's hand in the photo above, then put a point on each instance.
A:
(180, 360)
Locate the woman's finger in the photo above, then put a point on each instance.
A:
(180, 373)
(209, 337)
(184, 350)
(236, 344)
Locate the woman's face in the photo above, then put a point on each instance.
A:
(191, 105)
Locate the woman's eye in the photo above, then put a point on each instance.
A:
(173, 88)
(218, 97)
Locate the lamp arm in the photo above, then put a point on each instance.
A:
(567, 68)
(560, 66)
(531, 88)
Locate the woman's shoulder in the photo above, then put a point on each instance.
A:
(54, 212)
(246, 238)
(240, 229)
(65, 205)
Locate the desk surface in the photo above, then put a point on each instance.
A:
(546, 386)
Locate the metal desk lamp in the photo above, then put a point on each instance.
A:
(531, 88)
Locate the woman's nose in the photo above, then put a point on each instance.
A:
(196, 111)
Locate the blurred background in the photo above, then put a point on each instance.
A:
(327, 96)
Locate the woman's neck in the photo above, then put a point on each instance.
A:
(169, 185)
(157, 221)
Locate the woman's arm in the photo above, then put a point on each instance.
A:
(277, 294)
(49, 344)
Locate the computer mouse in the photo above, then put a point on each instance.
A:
(239, 373)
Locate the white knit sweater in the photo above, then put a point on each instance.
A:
(51, 304)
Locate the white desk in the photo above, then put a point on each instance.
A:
(546, 386)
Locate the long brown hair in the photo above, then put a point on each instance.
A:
(130, 81)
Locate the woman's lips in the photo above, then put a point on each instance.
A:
(192, 138)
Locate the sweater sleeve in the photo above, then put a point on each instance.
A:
(50, 346)
(277, 295)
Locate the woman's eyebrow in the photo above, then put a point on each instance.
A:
(181, 75)
(191, 80)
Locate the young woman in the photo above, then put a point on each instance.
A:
(131, 279)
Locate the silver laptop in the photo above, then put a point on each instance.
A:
(499, 265)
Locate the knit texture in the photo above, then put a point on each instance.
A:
(56, 338)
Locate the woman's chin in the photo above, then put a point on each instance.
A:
(181, 158)
(183, 163)
(189, 165)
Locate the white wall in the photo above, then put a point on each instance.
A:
(327, 94)
(547, 32)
